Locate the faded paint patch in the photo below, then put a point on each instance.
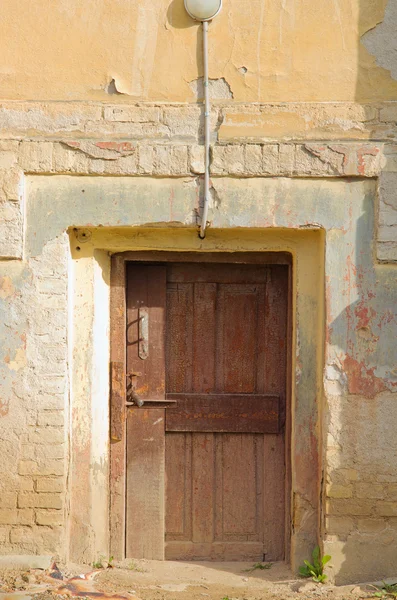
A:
(6, 287)
(362, 379)
(381, 41)
(19, 360)
(219, 89)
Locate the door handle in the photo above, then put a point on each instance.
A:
(143, 333)
(132, 397)
(137, 400)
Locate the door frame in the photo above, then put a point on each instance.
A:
(118, 369)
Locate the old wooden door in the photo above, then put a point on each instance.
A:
(206, 353)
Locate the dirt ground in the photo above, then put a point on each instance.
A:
(155, 580)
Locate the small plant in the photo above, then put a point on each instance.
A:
(133, 566)
(103, 562)
(260, 566)
(315, 570)
(386, 590)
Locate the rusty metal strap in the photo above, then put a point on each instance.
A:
(117, 400)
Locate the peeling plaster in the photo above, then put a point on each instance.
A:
(381, 40)
(6, 287)
(19, 361)
(219, 89)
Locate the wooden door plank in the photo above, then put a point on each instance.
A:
(238, 308)
(178, 466)
(146, 289)
(203, 487)
(274, 497)
(117, 407)
(228, 413)
(179, 337)
(204, 338)
(241, 466)
(145, 510)
(217, 274)
(145, 483)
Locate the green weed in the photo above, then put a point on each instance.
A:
(315, 570)
(386, 590)
(260, 566)
(103, 562)
(133, 566)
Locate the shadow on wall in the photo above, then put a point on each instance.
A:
(361, 373)
(360, 379)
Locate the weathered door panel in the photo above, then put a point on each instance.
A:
(146, 299)
(223, 416)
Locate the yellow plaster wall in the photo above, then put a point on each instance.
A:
(293, 50)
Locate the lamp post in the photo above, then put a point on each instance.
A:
(204, 11)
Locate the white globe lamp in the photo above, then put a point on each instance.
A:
(203, 10)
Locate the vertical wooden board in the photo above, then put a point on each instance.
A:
(260, 353)
(179, 337)
(178, 458)
(203, 486)
(117, 408)
(147, 290)
(274, 497)
(239, 492)
(276, 306)
(145, 483)
(239, 305)
(204, 326)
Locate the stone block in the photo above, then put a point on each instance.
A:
(371, 525)
(4, 536)
(39, 500)
(388, 113)
(265, 125)
(46, 435)
(49, 517)
(349, 507)
(11, 230)
(28, 467)
(35, 157)
(8, 499)
(253, 159)
(270, 155)
(44, 452)
(8, 516)
(54, 418)
(132, 114)
(179, 160)
(286, 159)
(146, 160)
(228, 160)
(53, 118)
(25, 516)
(26, 484)
(340, 526)
(339, 491)
(370, 490)
(196, 156)
(183, 122)
(161, 160)
(386, 509)
(50, 484)
(22, 562)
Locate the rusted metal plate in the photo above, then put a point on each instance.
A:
(117, 400)
(143, 333)
(243, 413)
